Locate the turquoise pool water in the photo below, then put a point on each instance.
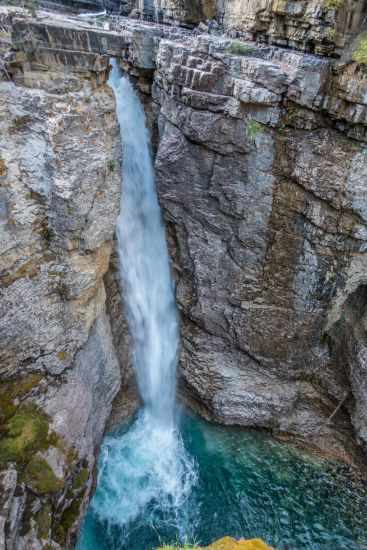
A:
(247, 485)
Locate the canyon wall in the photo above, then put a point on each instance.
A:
(59, 199)
(320, 26)
(261, 171)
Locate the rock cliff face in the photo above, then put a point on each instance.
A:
(320, 26)
(261, 168)
(59, 198)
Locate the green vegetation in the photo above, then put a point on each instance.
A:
(40, 477)
(184, 547)
(331, 35)
(25, 433)
(253, 129)
(81, 479)
(67, 520)
(360, 53)
(179, 546)
(112, 165)
(43, 521)
(333, 4)
(62, 355)
(239, 48)
(12, 390)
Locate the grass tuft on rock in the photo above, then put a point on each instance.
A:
(67, 521)
(24, 433)
(253, 128)
(43, 520)
(81, 479)
(40, 477)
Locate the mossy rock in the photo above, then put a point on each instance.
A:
(67, 521)
(360, 53)
(62, 355)
(253, 128)
(43, 520)
(26, 432)
(39, 476)
(81, 479)
(333, 4)
(13, 389)
(237, 47)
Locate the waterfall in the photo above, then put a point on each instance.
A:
(144, 262)
(145, 471)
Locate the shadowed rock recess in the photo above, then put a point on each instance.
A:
(261, 167)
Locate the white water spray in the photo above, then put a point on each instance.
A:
(147, 468)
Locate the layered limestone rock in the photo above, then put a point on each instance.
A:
(320, 26)
(264, 198)
(59, 199)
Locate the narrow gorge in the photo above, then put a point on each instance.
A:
(248, 118)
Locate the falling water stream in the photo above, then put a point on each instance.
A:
(164, 477)
(148, 467)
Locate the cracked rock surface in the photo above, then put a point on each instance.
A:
(59, 199)
(264, 197)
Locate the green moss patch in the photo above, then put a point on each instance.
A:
(112, 165)
(39, 476)
(62, 355)
(25, 433)
(333, 4)
(43, 521)
(12, 390)
(253, 129)
(81, 479)
(237, 47)
(68, 519)
(360, 53)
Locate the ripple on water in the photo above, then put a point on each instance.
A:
(228, 482)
